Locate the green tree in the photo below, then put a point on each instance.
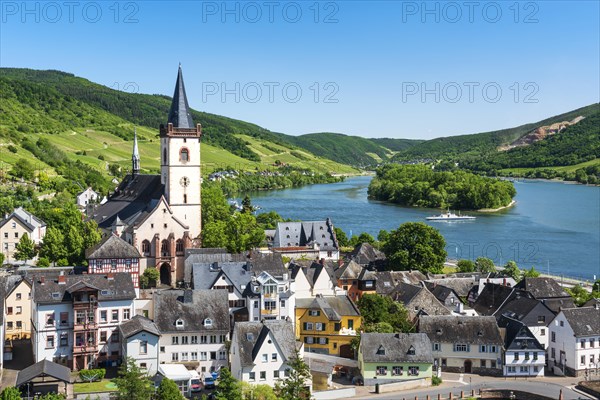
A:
(53, 245)
(579, 294)
(214, 234)
(379, 312)
(269, 220)
(383, 236)
(132, 384)
(214, 204)
(360, 239)
(91, 235)
(23, 168)
(341, 237)
(168, 390)
(149, 277)
(511, 269)
(74, 244)
(247, 206)
(465, 266)
(415, 245)
(531, 273)
(485, 265)
(243, 233)
(229, 388)
(10, 393)
(43, 262)
(294, 387)
(25, 249)
(1, 259)
(257, 392)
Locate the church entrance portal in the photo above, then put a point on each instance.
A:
(165, 274)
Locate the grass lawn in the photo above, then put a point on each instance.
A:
(566, 168)
(105, 385)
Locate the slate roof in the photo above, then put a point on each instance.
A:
(313, 270)
(133, 199)
(555, 305)
(305, 233)
(405, 292)
(7, 284)
(179, 114)
(542, 288)
(138, 324)
(441, 292)
(585, 321)
(461, 286)
(518, 336)
(333, 307)
(112, 246)
(394, 347)
(471, 330)
(43, 368)
(252, 335)
(366, 254)
(30, 221)
(119, 288)
(492, 297)
(350, 270)
(193, 307)
(518, 307)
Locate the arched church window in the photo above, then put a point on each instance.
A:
(179, 247)
(146, 248)
(164, 248)
(184, 155)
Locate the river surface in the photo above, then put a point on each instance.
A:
(553, 226)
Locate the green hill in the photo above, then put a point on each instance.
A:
(59, 123)
(351, 150)
(464, 146)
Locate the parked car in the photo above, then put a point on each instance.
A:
(208, 380)
(195, 382)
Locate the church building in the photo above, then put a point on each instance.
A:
(160, 215)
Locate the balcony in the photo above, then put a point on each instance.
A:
(347, 332)
(85, 326)
(269, 312)
(91, 348)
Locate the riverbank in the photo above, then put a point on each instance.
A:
(493, 210)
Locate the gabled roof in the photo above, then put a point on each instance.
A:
(518, 336)
(333, 307)
(492, 297)
(7, 284)
(388, 280)
(41, 369)
(542, 288)
(584, 321)
(518, 307)
(252, 335)
(192, 307)
(120, 287)
(471, 330)
(305, 233)
(27, 219)
(350, 270)
(179, 113)
(366, 254)
(404, 292)
(112, 246)
(313, 271)
(461, 286)
(441, 292)
(394, 347)
(138, 324)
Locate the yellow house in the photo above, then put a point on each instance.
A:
(327, 324)
(17, 309)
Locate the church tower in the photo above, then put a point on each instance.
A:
(180, 160)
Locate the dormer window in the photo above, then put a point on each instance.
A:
(208, 322)
(179, 323)
(381, 351)
(411, 351)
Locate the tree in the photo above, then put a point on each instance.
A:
(229, 388)
(149, 277)
(214, 204)
(379, 312)
(25, 249)
(360, 239)
(341, 237)
(131, 383)
(168, 390)
(23, 168)
(294, 386)
(511, 269)
(74, 244)
(213, 234)
(579, 294)
(531, 273)
(485, 265)
(243, 233)
(53, 246)
(415, 245)
(247, 205)
(257, 392)
(383, 236)
(269, 220)
(10, 393)
(465, 266)
(43, 262)
(1, 259)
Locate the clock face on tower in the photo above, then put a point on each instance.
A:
(185, 181)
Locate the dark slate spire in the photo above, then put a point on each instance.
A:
(180, 115)
(135, 157)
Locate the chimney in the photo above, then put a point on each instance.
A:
(110, 276)
(62, 279)
(504, 282)
(42, 280)
(322, 261)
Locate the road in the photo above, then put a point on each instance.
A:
(454, 383)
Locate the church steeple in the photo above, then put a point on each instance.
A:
(179, 114)
(135, 157)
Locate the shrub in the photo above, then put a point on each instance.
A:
(436, 380)
(91, 375)
(12, 148)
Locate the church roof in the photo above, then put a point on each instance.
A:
(112, 247)
(179, 114)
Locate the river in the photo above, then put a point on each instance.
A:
(553, 226)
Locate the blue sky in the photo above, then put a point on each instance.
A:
(376, 69)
